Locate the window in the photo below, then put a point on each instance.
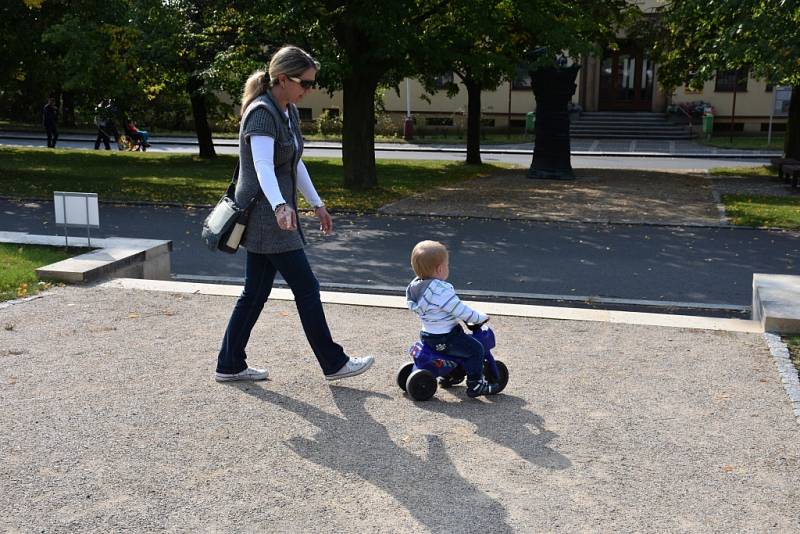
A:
(305, 114)
(727, 80)
(439, 121)
(776, 127)
(522, 80)
(768, 88)
(332, 112)
(443, 81)
(487, 122)
(517, 123)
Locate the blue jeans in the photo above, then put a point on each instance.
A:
(259, 276)
(463, 348)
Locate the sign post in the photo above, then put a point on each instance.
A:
(76, 210)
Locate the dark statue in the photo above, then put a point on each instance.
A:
(553, 88)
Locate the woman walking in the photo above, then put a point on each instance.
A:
(270, 151)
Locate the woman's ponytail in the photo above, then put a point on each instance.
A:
(256, 85)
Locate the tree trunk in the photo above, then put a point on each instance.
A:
(200, 116)
(791, 146)
(473, 121)
(358, 135)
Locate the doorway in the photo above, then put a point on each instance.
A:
(626, 81)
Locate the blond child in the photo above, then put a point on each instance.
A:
(440, 311)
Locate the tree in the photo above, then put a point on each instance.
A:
(29, 68)
(698, 38)
(361, 45)
(484, 41)
(470, 39)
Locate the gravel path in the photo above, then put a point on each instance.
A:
(111, 422)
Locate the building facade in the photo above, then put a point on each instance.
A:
(623, 80)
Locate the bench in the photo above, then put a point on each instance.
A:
(785, 168)
(791, 172)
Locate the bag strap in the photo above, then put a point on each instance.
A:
(232, 187)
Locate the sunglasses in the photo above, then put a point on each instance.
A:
(305, 84)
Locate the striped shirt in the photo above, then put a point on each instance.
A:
(438, 306)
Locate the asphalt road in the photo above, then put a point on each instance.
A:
(489, 258)
(523, 160)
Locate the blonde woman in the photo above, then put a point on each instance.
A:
(270, 151)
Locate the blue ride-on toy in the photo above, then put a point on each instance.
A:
(431, 369)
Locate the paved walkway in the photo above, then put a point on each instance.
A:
(593, 147)
(611, 421)
(111, 422)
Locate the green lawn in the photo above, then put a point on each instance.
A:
(756, 210)
(753, 210)
(18, 264)
(755, 142)
(182, 178)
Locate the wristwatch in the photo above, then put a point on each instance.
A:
(279, 206)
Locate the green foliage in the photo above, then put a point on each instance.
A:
(385, 126)
(696, 38)
(328, 124)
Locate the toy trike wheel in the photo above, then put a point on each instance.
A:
(402, 374)
(502, 379)
(421, 385)
(453, 379)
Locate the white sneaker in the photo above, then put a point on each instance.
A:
(353, 367)
(248, 374)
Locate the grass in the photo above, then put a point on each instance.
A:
(745, 142)
(759, 210)
(187, 179)
(754, 210)
(18, 264)
(793, 342)
(764, 171)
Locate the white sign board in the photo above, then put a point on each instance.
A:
(782, 97)
(76, 209)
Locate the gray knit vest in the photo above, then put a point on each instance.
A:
(264, 117)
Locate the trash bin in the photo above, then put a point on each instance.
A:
(530, 122)
(408, 128)
(708, 124)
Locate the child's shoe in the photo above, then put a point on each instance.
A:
(476, 388)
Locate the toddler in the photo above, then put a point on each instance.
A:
(440, 310)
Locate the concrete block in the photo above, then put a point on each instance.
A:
(776, 302)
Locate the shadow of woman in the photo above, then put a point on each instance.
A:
(428, 486)
(508, 423)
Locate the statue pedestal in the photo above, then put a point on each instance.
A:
(553, 89)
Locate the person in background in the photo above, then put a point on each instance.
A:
(142, 136)
(50, 121)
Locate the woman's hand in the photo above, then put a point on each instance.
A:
(325, 220)
(287, 218)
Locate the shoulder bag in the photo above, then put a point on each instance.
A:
(224, 227)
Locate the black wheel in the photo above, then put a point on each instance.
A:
(453, 379)
(502, 379)
(402, 374)
(421, 385)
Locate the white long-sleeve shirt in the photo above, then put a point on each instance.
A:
(263, 147)
(438, 306)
